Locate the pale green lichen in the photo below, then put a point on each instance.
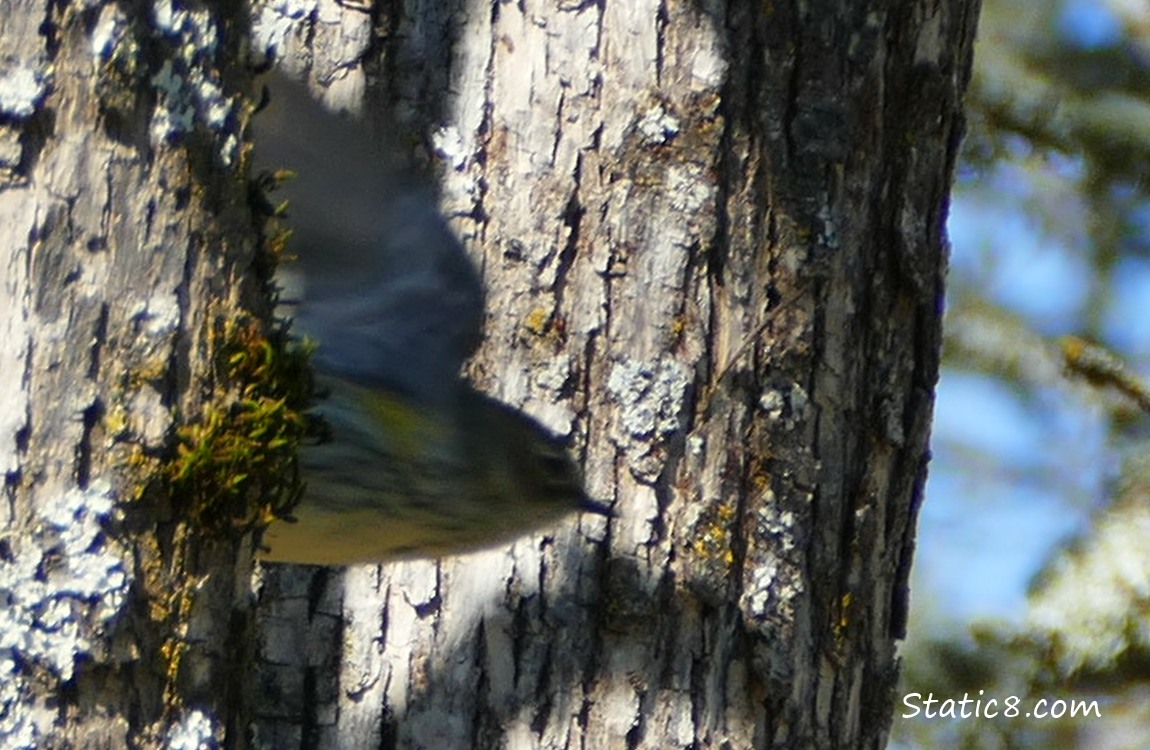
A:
(52, 610)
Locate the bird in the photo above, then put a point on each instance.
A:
(416, 462)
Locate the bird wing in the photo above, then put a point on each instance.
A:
(387, 289)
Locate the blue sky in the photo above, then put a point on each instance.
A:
(1017, 472)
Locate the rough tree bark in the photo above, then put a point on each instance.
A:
(130, 315)
(713, 236)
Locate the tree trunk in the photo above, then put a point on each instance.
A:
(127, 279)
(713, 239)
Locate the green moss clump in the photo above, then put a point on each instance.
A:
(237, 467)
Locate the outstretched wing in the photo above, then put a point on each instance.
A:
(387, 289)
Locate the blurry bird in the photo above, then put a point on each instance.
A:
(418, 464)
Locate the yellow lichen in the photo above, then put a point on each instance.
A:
(713, 534)
(537, 321)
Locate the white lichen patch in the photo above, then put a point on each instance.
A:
(193, 28)
(184, 99)
(273, 22)
(52, 607)
(194, 731)
(21, 89)
(158, 316)
(689, 188)
(449, 145)
(17, 728)
(758, 589)
(188, 95)
(709, 66)
(696, 445)
(778, 525)
(772, 402)
(650, 396)
(108, 32)
(552, 374)
(829, 232)
(784, 404)
(657, 126)
(61, 585)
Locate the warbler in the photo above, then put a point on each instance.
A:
(418, 463)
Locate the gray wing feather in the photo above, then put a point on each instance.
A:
(387, 290)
